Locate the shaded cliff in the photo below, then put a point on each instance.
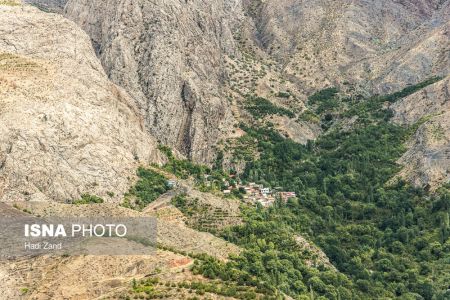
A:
(169, 56)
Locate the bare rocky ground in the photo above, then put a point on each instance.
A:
(171, 232)
(92, 277)
(65, 129)
(385, 43)
(189, 65)
(427, 161)
(81, 277)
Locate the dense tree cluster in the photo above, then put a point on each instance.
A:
(387, 239)
(260, 107)
(148, 188)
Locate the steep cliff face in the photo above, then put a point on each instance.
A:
(65, 129)
(174, 57)
(169, 56)
(188, 65)
(427, 161)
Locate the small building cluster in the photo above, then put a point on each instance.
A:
(257, 193)
(252, 192)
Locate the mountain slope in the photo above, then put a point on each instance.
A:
(373, 43)
(181, 61)
(427, 162)
(65, 129)
(169, 56)
(189, 73)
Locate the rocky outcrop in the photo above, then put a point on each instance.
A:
(427, 161)
(169, 56)
(65, 129)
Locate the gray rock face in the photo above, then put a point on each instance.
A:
(65, 129)
(427, 161)
(48, 5)
(169, 56)
(381, 44)
(180, 60)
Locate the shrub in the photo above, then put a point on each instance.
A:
(283, 95)
(88, 199)
(323, 95)
(260, 107)
(148, 188)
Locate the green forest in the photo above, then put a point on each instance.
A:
(387, 239)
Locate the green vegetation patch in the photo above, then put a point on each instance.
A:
(153, 288)
(323, 95)
(309, 116)
(387, 238)
(325, 101)
(182, 168)
(206, 179)
(148, 188)
(189, 207)
(373, 108)
(202, 216)
(286, 95)
(409, 90)
(260, 107)
(88, 199)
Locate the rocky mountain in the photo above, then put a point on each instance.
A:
(48, 6)
(169, 56)
(65, 129)
(378, 44)
(90, 88)
(188, 65)
(185, 67)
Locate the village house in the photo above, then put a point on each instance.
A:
(285, 196)
(256, 193)
(264, 191)
(171, 183)
(266, 202)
